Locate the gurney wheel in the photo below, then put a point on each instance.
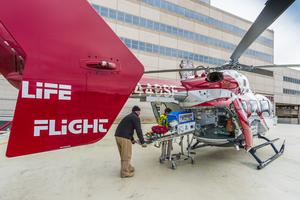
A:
(192, 161)
(173, 165)
(161, 160)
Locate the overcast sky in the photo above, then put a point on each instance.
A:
(286, 28)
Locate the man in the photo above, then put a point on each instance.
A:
(125, 139)
(163, 119)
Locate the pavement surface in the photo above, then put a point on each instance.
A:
(92, 172)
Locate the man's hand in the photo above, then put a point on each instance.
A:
(144, 145)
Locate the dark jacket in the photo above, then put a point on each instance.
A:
(127, 126)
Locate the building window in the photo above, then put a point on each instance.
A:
(135, 45)
(176, 53)
(96, 7)
(139, 21)
(291, 92)
(128, 18)
(120, 16)
(136, 20)
(104, 11)
(204, 19)
(112, 14)
(291, 80)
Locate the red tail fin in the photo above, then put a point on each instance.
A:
(77, 73)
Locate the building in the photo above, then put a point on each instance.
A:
(8, 95)
(162, 32)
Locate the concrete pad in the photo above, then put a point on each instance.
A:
(92, 172)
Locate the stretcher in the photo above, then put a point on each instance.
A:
(166, 143)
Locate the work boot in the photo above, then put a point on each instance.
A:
(131, 174)
(131, 168)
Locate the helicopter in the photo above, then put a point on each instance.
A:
(73, 82)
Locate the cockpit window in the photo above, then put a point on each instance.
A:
(265, 106)
(253, 106)
(245, 106)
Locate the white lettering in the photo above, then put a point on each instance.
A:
(87, 126)
(149, 89)
(52, 130)
(25, 91)
(158, 90)
(64, 127)
(167, 91)
(39, 93)
(51, 85)
(39, 90)
(173, 90)
(65, 87)
(75, 126)
(64, 95)
(40, 125)
(138, 89)
(78, 126)
(47, 91)
(101, 128)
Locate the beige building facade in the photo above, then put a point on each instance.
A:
(161, 33)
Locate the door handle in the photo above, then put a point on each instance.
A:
(103, 64)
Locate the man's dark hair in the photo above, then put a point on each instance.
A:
(135, 108)
(168, 110)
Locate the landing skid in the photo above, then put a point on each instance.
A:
(262, 164)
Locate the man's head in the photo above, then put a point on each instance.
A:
(136, 110)
(167, 111)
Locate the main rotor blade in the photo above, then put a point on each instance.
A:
(272, 10)
(270, 66)
(175, 70)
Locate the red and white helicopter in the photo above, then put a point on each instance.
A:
(74, 75)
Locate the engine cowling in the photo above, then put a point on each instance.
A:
(214, 77)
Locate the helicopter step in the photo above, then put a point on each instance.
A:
(262, 164)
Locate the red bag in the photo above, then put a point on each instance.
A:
(159, 129)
